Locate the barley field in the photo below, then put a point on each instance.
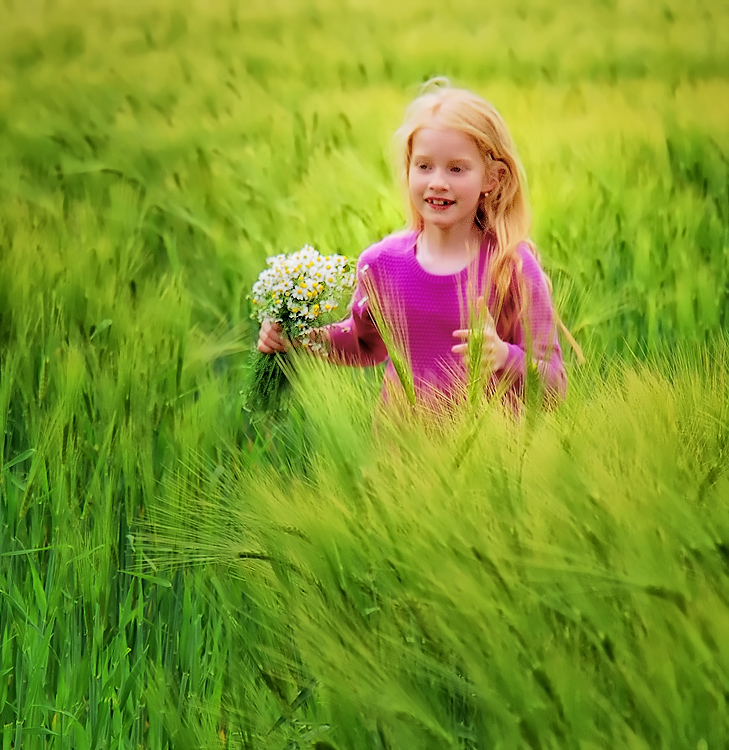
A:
(176, 572)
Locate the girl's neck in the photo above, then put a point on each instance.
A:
(449, 251)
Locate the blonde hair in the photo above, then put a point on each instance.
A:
(504, 211)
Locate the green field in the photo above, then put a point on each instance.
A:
(177, 573)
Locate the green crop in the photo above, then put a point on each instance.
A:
(175, 573)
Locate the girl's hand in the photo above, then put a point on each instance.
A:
(494, 351)
(271, 338)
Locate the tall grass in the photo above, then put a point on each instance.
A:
(332, 578)
(554, 582)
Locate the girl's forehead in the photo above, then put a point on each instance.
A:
(439, 140)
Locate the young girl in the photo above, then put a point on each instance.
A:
(463, 278)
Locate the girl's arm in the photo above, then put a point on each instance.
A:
(535, 339)
(356, 340)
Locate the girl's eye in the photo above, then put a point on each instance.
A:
(455, 169)
(422, 166)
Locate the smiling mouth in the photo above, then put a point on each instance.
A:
(440, 202)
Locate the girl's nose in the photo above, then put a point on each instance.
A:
(438, 180)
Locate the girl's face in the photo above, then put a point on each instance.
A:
(446, 178)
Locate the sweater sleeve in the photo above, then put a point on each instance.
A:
(535, 337)
(356, 340)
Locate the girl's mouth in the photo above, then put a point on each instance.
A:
(439, 202)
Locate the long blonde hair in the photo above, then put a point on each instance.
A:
(503, 211)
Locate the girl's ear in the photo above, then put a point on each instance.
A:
(488, 186)
(492, 179)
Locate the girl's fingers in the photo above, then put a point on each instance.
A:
(269, 347)
(270, 338)
(494, 352)
(488, 350)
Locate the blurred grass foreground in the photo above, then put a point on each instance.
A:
(175, 574)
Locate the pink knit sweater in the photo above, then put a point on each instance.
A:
(422, 310)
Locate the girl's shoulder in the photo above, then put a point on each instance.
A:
(384, 250)
(531, 266)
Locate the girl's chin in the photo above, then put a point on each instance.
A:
(439, 222)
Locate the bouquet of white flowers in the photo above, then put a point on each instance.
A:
(301, 291)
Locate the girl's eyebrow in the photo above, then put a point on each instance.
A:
(457, 160)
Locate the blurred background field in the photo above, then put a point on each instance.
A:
(556, 584)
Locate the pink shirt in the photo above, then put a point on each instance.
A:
(421, 311)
